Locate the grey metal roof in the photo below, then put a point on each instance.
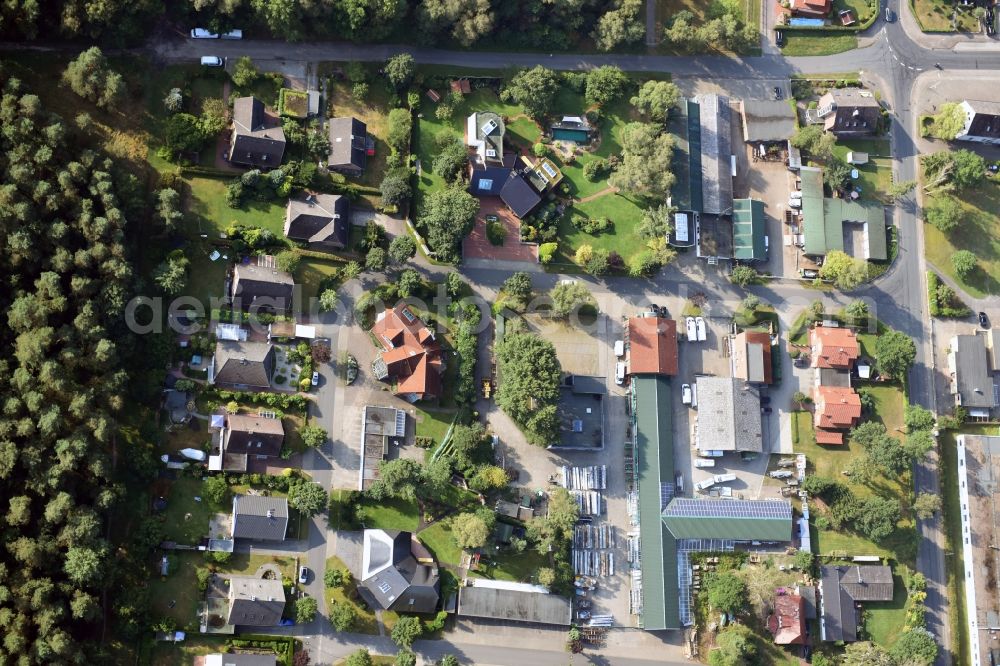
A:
(244, 363)
(262, 285)
(348, 144)
(254, 141)
(318, 218)
(514, 605)
(973, 382)
(716, 150)
(840, 622)
(808, 594)
(867, 582)
(743, 520)
(767, 120)
(588, 385)
(260, 518)
(255, 602)
(728, 415)
(253, 434)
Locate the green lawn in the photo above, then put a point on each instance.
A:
(886, 619)
(934, 15)
(433, 423)
(829, 541)
(373, 111)
(176, 596)
(194, 645)
(206, 278)
(211, 215)
(862, 8)
(801, 43)
(391, 514)
(523, 131)
(364, 622)
(186, 520)
(624, 211)
(889, 405)
(311, 274)
(978, 232)
(246, 564)
(439, 540)
(875, 177)
(516, 567)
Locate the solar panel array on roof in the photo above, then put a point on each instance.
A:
(692, 508)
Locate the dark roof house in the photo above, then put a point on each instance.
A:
(350, 145)
(253, 434)
(255, 602)
(320, 219)
(982, 122)
(398, 573)
(971, 380)
(841, 587)
(767, 120)
(849, 112)
(257, 139)
(516, 602)
(262, 286)
(519, 195)
(242, 364)
(260, 518)
(488, 179)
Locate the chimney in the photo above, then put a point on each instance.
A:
(270, 513)
(860, 579)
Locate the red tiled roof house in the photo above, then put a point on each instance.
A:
(652, 346)
(834, 347)
(788, 622)
(838, 408)
(811, 8)
(410, 355)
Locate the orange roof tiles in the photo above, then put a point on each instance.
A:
(652, 346)
(788, 622)
(829, 437)
(837, 407)
(411, 354)
(833, 347)
(811, 7)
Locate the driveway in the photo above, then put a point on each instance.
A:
(478, 246)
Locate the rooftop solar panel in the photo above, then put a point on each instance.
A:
(690, 508)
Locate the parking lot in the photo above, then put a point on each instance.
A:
(772, 183)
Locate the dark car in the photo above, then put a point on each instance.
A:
(777, 92)
(984, 320)
(779, 37)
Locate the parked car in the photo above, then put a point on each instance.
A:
(779, 37)
(796, 194)
(766, 410)
(692, 329)
(686, 394)
(765, 400)
(984, 320)
(201, 33)
(315, 379)
(780, 474)
(583, 603)
(619, 348)
(583, 614)
(303, 575)
(810, 273)
(795, 203)
(700, 326)
(211, 61)
(620, 373)
(777, 92)
(233, 34)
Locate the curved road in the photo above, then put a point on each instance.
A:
(890, 62)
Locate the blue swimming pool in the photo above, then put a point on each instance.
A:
(578, 136)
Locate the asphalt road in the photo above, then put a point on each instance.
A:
(891, 62)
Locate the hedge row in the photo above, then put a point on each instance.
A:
(935, 307)
(283, 647)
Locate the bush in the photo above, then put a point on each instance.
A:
(592, 225)
(546, 251)
(496, 233)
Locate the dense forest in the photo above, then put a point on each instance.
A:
(63, 385)
(543, 24)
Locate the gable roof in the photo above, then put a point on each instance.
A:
(788, 622)
(752, 357)
(488, 180)
(260, 518)
(255, 141)
(243, 363)
(972, 383)
(841, 587)
(484, 131)
(982, 120)
(262, 284)
(318, 218)
(411, 353)
(837, 407)
(767, 120)
(514, 602)
(519, 195)
(398, 573)
(743, 520)
(254, 434)
(652, 345)
(716, 149)
(851, 111)
(834, 347)
(729, 415)
(255, 602)
(348, 143)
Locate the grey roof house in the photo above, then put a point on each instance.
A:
(253, 434)
(398, 573)
(982, 122)
(728, 415)
(849, 112)
(350, 145)
(257, 140)
(260, 518)
(971, 381)
(318, 219)
(519, 195)
(255, 602)
(841, 587)
(262, 286)
(484, 134)
(242, 364)
(516, 602)
(767, 120)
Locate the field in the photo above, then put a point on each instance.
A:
(311, 273)
(978, 232)
(176, 596)
(211, 215)
(802, 43)
(934, 15)
(874, 177)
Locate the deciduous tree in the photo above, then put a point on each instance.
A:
(399, 69)
(534, 90)
(646, 161)
(620, 26)
(569, 297)
(447, 215)
(307, 498)
(656, 98)
(894, 353)
(90, 77)
(469, 530)
(964, 262)
(605, 84)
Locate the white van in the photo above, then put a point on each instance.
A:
(201, 33)
(211, 61)
(704, 462)
(619, 348)
(233, 34)
(620, 373)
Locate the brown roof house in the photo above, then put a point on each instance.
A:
(848, 112)
(318, 219)
(811, 8)
(834, 347)
(262, 286)
(257, 139)
(652, 345)
(260, 518)
(787, 622)
(253, 434)
(751, 357)
(838, 408)
(410, 355)
(350, 145)
(242, 364)
(255, 602)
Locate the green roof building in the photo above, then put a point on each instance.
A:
(749, 230)
(745, 520)
(823, 220)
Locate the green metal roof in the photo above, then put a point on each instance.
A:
(655, 466)
(685, 125)
(749, 230)
(878, 249)
(838, 211)
(813, 217)
(744, 520)
(823, 219)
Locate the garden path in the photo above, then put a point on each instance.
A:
(597, 195)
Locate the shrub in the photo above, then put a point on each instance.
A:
(546, 251)
(496, 233)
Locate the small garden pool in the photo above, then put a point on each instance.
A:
(576, 135)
